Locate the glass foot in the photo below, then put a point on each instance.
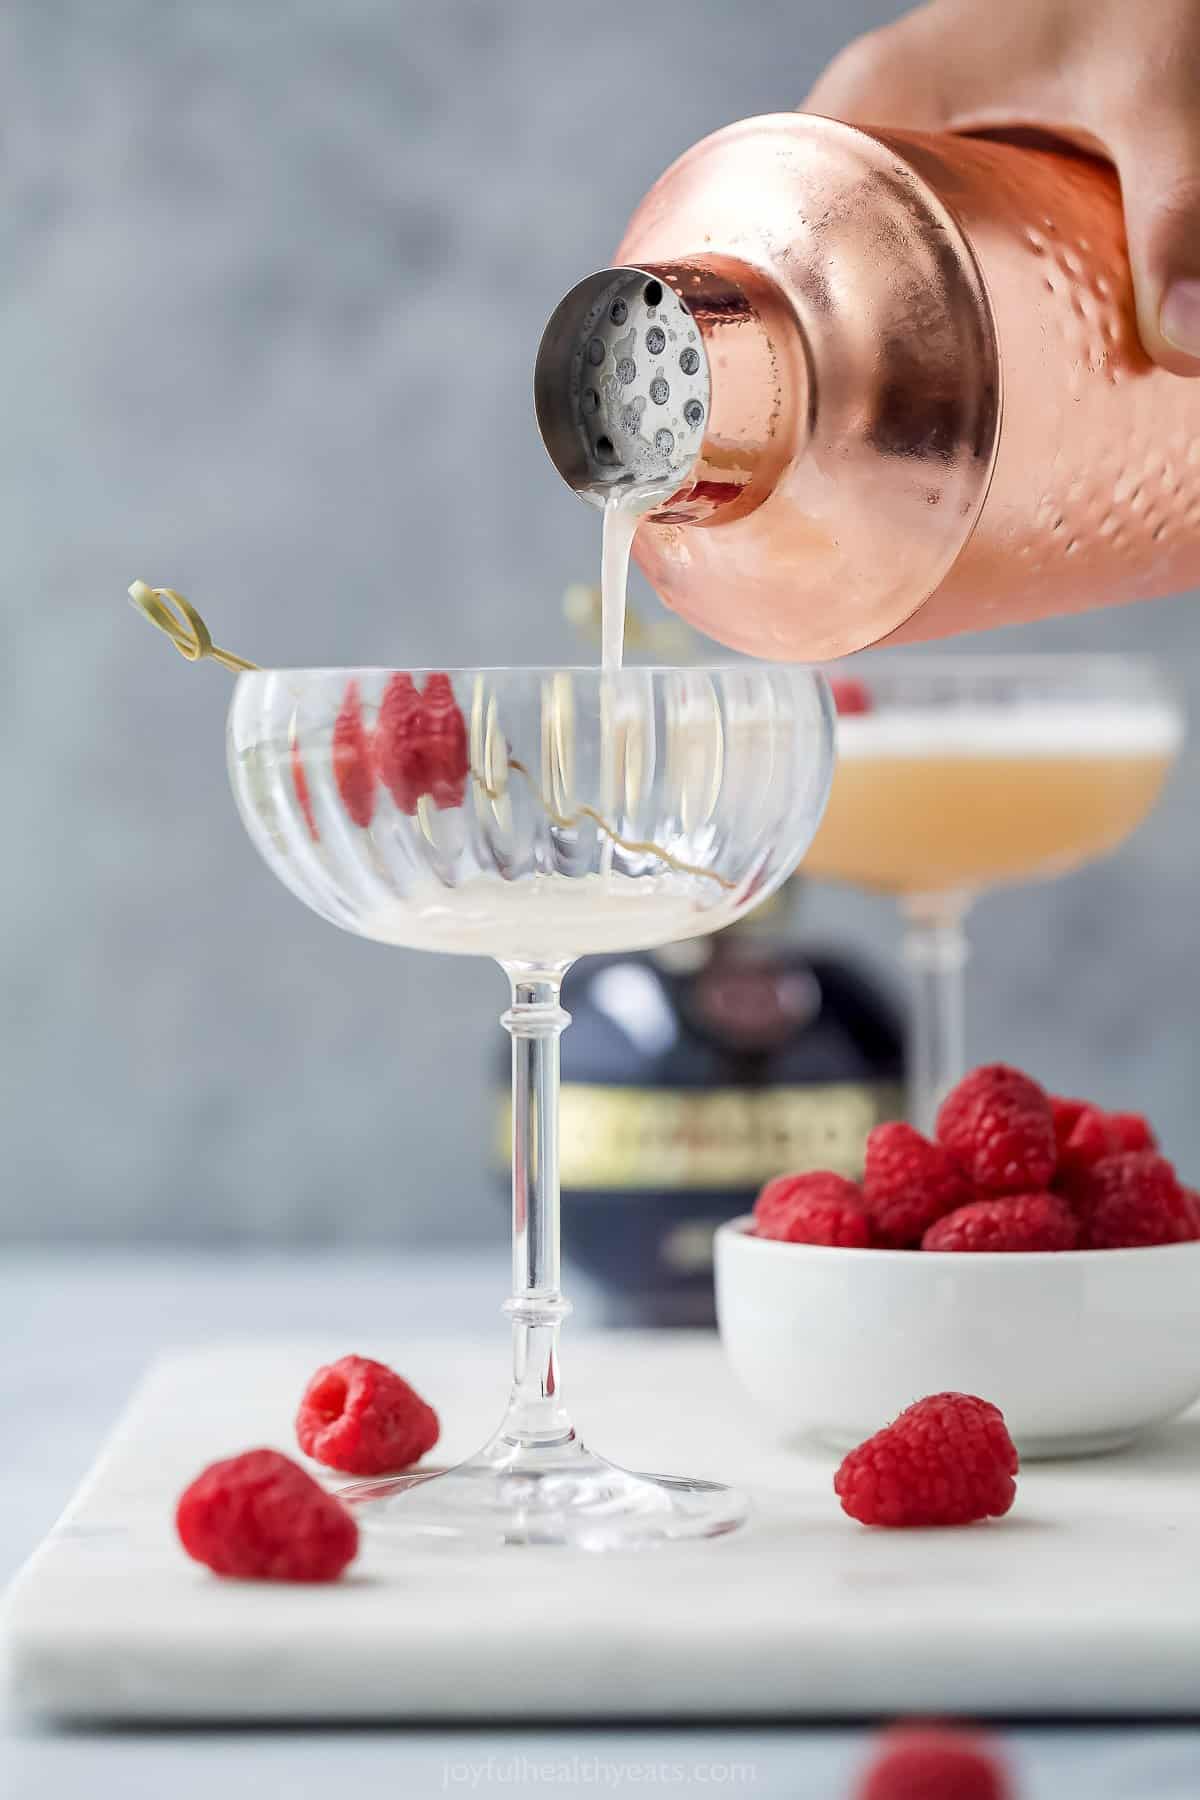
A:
(549, 1493)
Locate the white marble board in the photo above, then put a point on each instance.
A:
(1086, 1600)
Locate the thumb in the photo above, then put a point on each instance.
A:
(1160, 185)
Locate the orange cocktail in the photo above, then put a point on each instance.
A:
(925, 802)
(963, 773)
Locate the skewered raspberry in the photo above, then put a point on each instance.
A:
(421, 743)
(354, 759)
(446, 742)
(300, 784)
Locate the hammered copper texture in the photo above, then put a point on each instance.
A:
(984, 439)
(1095, 497)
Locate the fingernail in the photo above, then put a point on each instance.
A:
(1180, 317)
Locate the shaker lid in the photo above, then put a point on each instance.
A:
(621, 387)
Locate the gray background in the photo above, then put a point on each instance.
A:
(273, 279)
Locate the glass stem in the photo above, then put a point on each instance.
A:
(535, 1021)
(935, 949)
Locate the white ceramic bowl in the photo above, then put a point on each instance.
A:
(1081, 1351)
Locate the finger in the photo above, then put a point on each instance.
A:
(1160, 186)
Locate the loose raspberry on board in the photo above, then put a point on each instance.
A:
(934, 1762)
(361, 1417)
(261, 1517)
(947, 1460)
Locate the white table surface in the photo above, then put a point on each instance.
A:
(78, 1329)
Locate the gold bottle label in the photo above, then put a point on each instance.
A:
(677, 1139)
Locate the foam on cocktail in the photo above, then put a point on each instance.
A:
(1056, 729)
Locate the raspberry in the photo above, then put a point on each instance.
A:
(851, 696)
(1131, 1200)
(398, 743)
(360, 1416)
(816, 1207)
(832, 1223)
(262, 1517)
(300, 783)
(353, 760)
(1090, 1138)
(933, 1762)
(907, 1184)
(1006, 1222)
(778, 1195)
(947, 1460)
(422, 743)
(446, 742)
(1065, 1113)
(1130, 1131)
(998, 1126)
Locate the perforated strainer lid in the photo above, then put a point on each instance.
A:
(621, 386)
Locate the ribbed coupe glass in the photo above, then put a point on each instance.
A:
(534, 816)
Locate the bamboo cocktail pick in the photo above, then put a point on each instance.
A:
(185, 628)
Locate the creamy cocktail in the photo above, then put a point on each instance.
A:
(964, 798)
(955, 775)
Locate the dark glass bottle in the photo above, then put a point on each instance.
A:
(690, 1076)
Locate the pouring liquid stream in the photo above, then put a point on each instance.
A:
(620, 523)
(621, 517)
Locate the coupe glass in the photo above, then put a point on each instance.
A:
(534, 815)
(969, 772)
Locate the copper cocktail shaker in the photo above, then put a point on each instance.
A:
(876, 385)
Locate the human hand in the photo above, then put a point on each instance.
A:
(1113, 77)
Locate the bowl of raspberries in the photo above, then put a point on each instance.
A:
(1035, 1248)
